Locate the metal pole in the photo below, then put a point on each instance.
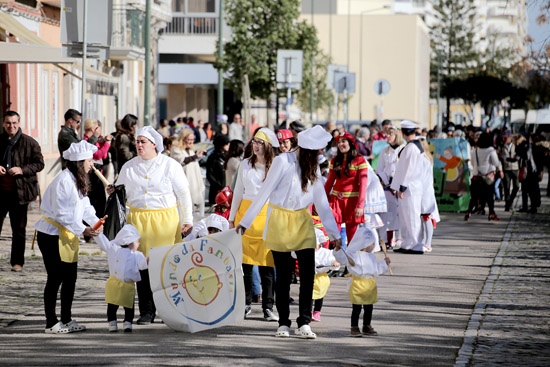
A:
(147, 44)
(288, 65)
(345, 102)
(84, 57)
(335, 105)
(220, 55)
(438, 89)
(361, 70)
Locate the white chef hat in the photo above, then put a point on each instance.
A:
(362, 238)
(217, 221)
(199, 230)
(151, 134)
(80, 151)
(320, 236)
(268, 136)
(126, 235)
(314, 138)
(406, 124)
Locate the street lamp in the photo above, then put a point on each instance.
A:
(361, 58)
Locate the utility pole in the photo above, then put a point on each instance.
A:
(312, 89)
(84, 57)
(220, 55)
(147, 44)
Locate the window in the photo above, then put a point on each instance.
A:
(201, 6)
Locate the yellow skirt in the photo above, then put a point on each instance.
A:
(68, 243)
(363, 291)
(120, 293)
(157, 227)
(290, 230)
(254, 250)
(320, 285)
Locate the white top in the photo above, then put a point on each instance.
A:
(487, 159)
(157, 183)
(232, 167)
(249, 181)
(282, 187)
(236, 131)
(123, 263)
(408, 172)
(387, 161)
(375, 200)
(192, 172)
(366, 265)
(429, 203)
(324, 256)
(62, 204)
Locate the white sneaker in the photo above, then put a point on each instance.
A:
(113, 327)
(283, 332)
(270, 316)
(127, 325)
(74, 327)
(305, 332)
(59, 328)
(427, 249)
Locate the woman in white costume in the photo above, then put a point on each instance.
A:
(429, 210)
(160, 205)
(387, 161)
(251, 175)
(65, 205)
(292, 185)
(182, 151)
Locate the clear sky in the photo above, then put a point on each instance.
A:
(540, 34)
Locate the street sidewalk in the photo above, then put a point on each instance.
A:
(484, 280)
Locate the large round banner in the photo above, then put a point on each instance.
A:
(198, 285)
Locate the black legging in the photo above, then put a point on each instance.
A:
(145, 295)
(367, 315)
(59, 274)
(112, 309)
(317, 304)
(267, 275)
(306, 263)
(483, 192)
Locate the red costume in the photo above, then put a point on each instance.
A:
(348, 194)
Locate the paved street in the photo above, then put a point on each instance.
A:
(497, 272)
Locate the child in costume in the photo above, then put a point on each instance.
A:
(223, 202)
(375, 202)
(125, 262)
(362, 286)
(324, 261)
(214, 223)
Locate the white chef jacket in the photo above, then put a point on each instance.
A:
(387, 162)
(123, 263)
(408, 172)
(324, 256)
(282, 187)
(429, 203)
(160, 186)
(366, 265)
(63, 204)
(247, 186)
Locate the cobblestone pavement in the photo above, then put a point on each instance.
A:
(514, 322)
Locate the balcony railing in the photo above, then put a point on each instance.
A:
(193, 25)
(127, 28)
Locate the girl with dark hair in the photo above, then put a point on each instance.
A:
(125, 143)
(292, 185)
(346, 185)
(233, 159)
(65, 206)
(252, 174)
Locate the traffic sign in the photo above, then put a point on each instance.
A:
(381, 87)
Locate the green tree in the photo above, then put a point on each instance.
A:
(259, 29)
(453, 41)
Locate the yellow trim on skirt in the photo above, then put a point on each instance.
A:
(157, 227)
(120, 293)
(320, 285)
(254, 250)
(363, 291)
(68, 243)
(290, 230)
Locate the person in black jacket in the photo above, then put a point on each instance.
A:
(215, 173)
(20, 161)
(69, 133)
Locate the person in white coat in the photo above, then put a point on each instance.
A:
(124, 266)
(407, 186)
(160, 204)
(429, 210)
(362, 288)
(324, 261)
(291, 186)
(385, 169)
(65, 205)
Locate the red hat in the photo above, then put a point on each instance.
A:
(224, 195)
(284, 134)
(346, 135)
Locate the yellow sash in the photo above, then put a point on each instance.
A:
(290, 230)
(320, 285)
(68, 243)
(120, 293)
(254, 250)
(363, 291)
